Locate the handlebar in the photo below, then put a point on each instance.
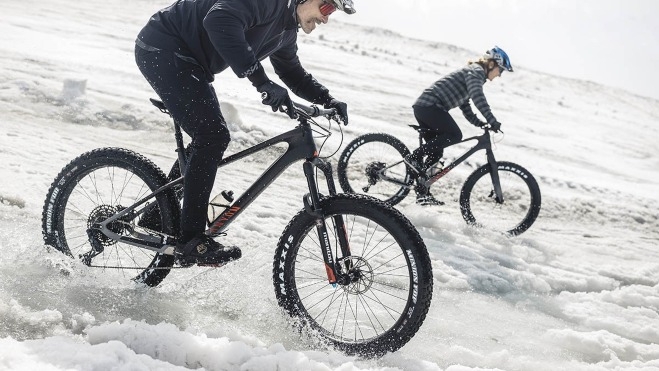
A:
(307, 111)
(314, 111)
(487, 127)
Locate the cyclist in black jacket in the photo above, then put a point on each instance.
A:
(180, 50)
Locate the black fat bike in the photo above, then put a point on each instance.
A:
(352, 271)
(499, 195)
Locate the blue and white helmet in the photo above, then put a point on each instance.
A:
(500, 57)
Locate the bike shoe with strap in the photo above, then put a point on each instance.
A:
(204, 250)
(428, 200)
(424, 197)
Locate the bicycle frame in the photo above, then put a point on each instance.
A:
(301, 146)
(483, 143)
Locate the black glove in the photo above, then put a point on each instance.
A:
(341, 109)
(276, 97)
(495, 126)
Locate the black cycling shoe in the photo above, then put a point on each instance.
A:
(204, 250)
(424, 197)
(428, 200)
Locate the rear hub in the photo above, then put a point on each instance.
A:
(373, 171)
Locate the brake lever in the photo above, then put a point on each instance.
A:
(264, 96)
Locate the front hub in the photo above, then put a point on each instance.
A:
(358, 277)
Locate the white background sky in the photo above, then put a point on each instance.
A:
(613, 42)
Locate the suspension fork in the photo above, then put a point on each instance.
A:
(312, 206)
(494, 174)
(339, 224)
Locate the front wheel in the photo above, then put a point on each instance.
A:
(386, 299)
(373, 164)
(521, 199)
(97, 185)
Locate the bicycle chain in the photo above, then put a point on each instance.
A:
(136, 268)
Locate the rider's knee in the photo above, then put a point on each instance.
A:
(211, 145)
(455, 137)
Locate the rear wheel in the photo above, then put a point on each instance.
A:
(373, 164)
(95, 186)
(386, 288)
(521, 199)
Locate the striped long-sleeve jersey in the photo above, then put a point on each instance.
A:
(456, 89)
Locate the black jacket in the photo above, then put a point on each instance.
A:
(217, 34)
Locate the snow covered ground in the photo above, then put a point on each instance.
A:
(578, 291)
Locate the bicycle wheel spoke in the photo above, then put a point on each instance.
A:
(388, 261)
(381, 251)
(311, 274)
(370, 314)
(387, 308)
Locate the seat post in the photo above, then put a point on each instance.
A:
(180, 148)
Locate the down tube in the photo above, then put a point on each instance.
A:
(297, 150)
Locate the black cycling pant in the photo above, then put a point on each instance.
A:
(446, 132)
(192, 101)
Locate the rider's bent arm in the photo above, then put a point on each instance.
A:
(287, 66)
(225, 24)
(475, 89)
(469, 114)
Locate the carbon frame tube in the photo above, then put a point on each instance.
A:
(300, 146)
(483, 143)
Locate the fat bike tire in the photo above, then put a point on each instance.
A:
(96, 185)
(522, 199)
(380, 310)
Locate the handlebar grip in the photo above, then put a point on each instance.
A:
(312, 111)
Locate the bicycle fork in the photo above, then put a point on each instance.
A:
(312, 206)
(494, 174)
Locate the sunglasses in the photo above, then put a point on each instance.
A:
(327, 9)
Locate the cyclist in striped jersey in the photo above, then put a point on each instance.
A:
(456, 89)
